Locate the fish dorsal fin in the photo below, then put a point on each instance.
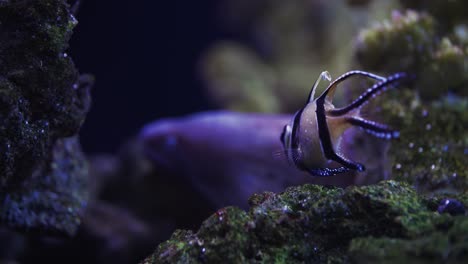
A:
(325, 75)
(330, 91)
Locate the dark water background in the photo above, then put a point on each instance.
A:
(144, 56)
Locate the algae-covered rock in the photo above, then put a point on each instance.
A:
(43, 102)
(432, 151)
(316, 224)
(446, 245)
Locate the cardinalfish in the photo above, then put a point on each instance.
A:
(312, 139)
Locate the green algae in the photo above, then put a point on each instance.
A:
(446, 245)
(317, 224)
(43, 104)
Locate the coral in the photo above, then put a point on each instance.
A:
(43, 102)
(396, 45)
(413, 42)
(316, 224)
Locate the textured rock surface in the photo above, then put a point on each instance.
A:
(316, 224)
(52, 203)
(43, 104)
(432, 151)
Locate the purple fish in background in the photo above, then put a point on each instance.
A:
(228, 156)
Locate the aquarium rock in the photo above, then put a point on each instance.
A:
(432, 151)
(315, 224)
(43, 103)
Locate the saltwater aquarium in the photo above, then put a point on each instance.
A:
(233, 131)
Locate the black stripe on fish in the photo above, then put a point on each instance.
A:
(295, 138)
(325, 139)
